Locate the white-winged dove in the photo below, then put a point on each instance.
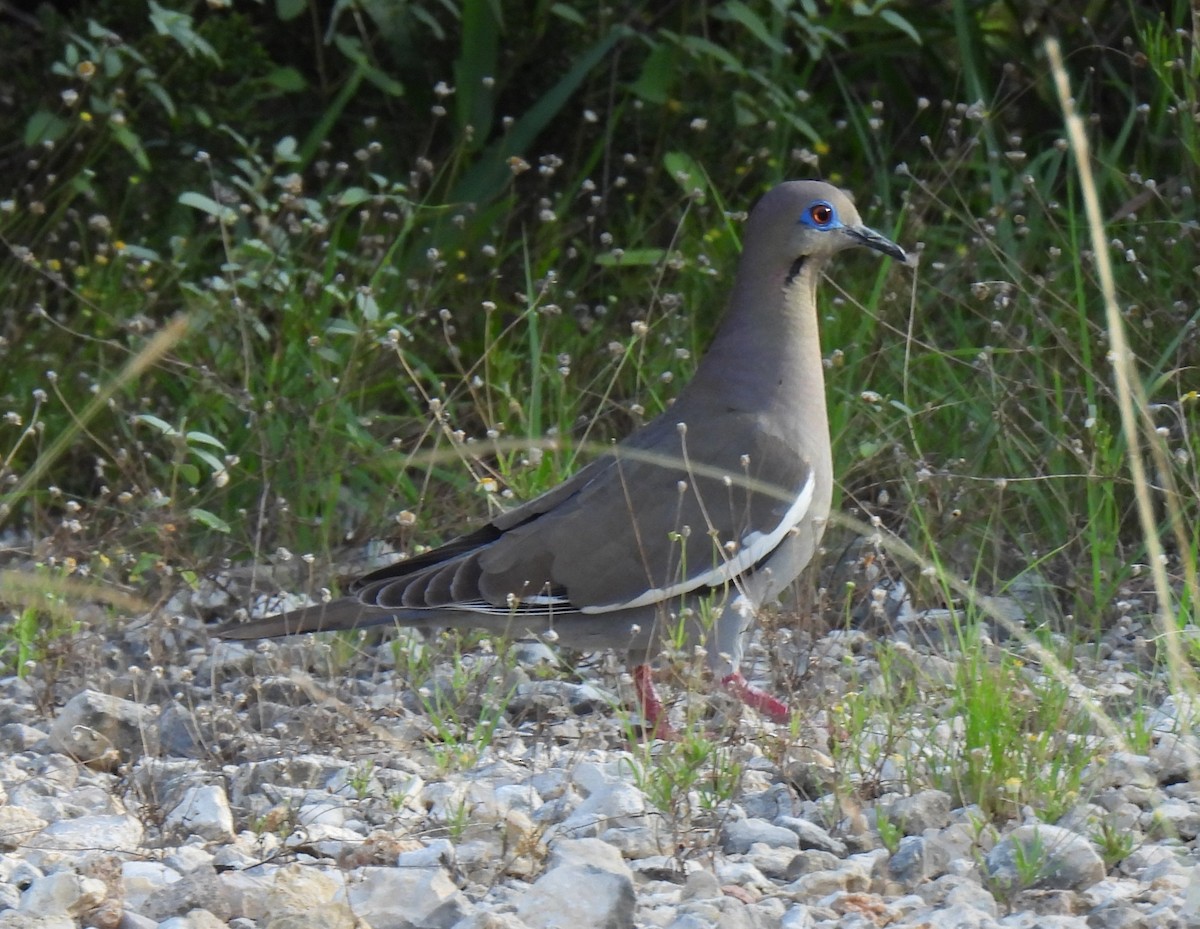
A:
(712, 508)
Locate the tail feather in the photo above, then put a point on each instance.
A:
(335, 616)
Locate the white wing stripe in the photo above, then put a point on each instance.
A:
(537, 606)
(753, 547)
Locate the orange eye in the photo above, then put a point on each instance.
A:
(821, 213)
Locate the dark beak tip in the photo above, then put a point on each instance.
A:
(881, 243)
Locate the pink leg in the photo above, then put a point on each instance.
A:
(654, 714)
(758, 699)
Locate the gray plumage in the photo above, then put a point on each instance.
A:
(722, 498)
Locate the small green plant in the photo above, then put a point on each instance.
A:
(191, 450)
(1139, 727)
(360, 779)
(1030, 859)
(1022, 738)
(466, 706)
(682, 778)
(39, 636)
(459, 820)
(1114, 843)
(873, 724)
(24, 637)
(890, 831)
(280, 821)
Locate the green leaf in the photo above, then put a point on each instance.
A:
(161, 425)
(482, 25)
(899, 22)
(341, 327)
(289, 80)
(352, 49)
(752, 22)
(352, 196)
(189, 473)
(209, 520)
(44, 126)
(562, 11)
(205, 439)
(634, 257)
(131, 143)
(214, 463)
(699, 46)
(368, 306)
(289, 9)
(178, 26)
(112, 64)
(423, 16)
(140, 252)
(285, 150)
(207, 205)
(653, 84)
(687, 172)
(158, 93)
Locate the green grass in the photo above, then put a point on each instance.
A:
(423, 272)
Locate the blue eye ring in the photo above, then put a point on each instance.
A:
(820, 214)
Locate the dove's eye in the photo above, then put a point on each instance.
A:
(821, 213)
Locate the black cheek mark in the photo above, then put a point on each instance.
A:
(794, 270)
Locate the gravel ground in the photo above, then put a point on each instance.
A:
(164, 779)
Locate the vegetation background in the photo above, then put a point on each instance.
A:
(284, 277)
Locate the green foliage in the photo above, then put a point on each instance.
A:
(431, 255)
(465, 706)
(317, 266)
(890, 833)
(1114, 843)
(23, 639)
(1023, 739)
(686, 778)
